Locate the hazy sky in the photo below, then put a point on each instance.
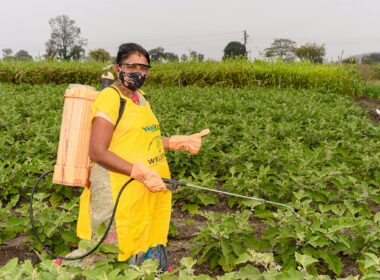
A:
(206, 26)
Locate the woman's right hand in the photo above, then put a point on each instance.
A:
(149, 177)
(191, 143)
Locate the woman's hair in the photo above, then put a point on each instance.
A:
(125, 50)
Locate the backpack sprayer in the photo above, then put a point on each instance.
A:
(73, 166)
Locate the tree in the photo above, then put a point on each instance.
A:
(7, 53)
(184, 57)
(194, 55)
(23, 55)
(51, 49)
(78, 52)
(169, 56)
(371, 58)
(65, 42)
(281, 48)
(99, 55)
(351, 60)
(157, 54)
(311, 52)
(234, 49)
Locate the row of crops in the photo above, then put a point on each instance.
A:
(340, 79)
(313, 151)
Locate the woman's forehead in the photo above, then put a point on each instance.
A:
(136, 58)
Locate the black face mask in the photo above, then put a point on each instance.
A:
(133, 80)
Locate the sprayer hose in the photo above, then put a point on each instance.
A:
(35, 188)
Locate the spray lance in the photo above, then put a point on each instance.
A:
(73, 166)
(174, 184)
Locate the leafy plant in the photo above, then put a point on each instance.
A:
(311, 149)
(224, 239)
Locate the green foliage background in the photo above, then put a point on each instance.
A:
(301, 144)
(342, 79)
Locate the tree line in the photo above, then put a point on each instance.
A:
(66, 43)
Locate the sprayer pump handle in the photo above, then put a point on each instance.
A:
(173, 184)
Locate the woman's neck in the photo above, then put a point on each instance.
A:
(124, 90)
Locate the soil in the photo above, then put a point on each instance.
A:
(370, 105)
(349, 267)
(17, 248)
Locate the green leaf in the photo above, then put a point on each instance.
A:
(349, 278)
(13, 202)
(226, 247)
(227, 276)
(173, 232)
(237, 248)
(69, 237)
(324, 277)
(371, 276)
(27, 266)
(377, 217)
(206, 252)
(262, 213)
(271, 232)
(243, 258)
(305, 260)
(225, 263)
(86, 245)
(149, 266)
(214, 261)
(114, 273)
(11, 265)
(318, 241)
(371, 260)
(207, 199)
(201, 277)
(109, 249)
(291, 275)
(248, 272)
(231, 201)
(132, 274)
(334, 262)
(192, 208)
(251, 203)
(188, 262)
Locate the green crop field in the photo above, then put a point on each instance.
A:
(297, 140)
(340, 79)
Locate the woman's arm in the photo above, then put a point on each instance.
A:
(101, 135)
(165, 142)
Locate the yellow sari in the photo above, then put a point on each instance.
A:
(142, 217)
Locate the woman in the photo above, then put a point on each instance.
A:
(130, 147)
